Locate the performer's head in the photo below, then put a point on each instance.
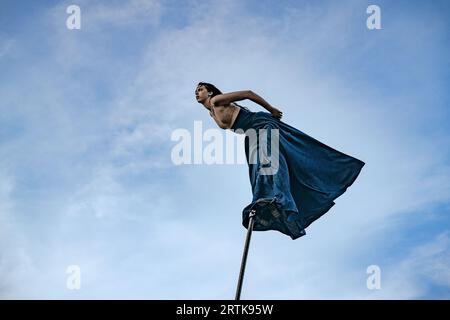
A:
(205, 91)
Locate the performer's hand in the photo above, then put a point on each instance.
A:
(276, 113)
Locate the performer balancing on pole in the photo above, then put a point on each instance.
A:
(308, 175)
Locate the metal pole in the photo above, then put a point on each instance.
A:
(244, 255)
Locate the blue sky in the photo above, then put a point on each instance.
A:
(86, 176)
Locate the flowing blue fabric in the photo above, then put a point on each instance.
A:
(310, 176)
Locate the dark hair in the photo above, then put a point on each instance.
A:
(212, 88)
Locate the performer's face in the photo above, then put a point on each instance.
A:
(201, 94)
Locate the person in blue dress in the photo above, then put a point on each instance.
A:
(309, 175)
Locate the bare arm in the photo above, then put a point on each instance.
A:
(259, 100)
(227, 98)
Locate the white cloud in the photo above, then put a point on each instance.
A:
(15, 260)
(432, 260)
(411, 277)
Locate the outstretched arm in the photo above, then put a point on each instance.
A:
(227, 98)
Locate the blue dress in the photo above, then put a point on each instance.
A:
(310, 176)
